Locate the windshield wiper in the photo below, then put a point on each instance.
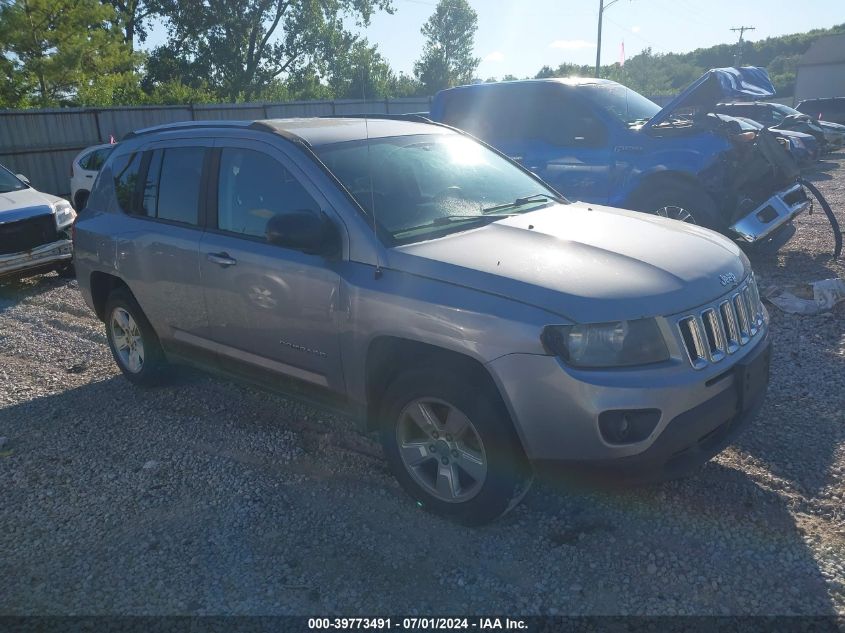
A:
(448, 219)
(522, 201)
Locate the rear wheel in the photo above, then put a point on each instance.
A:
(133, 342)
(678, 201)
(452, 447)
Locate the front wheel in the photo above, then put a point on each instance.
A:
(452, 447)
(132, 340)
(681, 202)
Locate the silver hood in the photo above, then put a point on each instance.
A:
(25, 203)
(587, 263)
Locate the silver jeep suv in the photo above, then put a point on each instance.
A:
(402, 272)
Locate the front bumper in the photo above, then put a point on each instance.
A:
(774, 213)
(556, 410)
(691, 438)
(60, 251)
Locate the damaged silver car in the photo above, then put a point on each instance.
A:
(34, 229)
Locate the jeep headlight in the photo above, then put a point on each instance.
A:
(64, 214)
(615, 344)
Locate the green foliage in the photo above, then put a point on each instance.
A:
(305, 85)
(360, 74)
(80, 52)
(240, 46)
(174, 92)
(111, 89)
(132, 17)
(57, 49)
(406, 86)
(447, 58)
(13, 86)
(662, 74)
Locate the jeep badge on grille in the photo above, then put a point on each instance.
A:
(727, 278)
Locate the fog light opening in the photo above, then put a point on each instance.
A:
(628, 426)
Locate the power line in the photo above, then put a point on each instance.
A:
(638, 36)
(742, 30)
(602, 7)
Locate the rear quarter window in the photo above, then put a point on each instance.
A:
(117, 175)
(93, 161)
(124, 176)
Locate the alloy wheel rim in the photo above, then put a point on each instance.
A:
(441, 450)
(127, 339)
(674, 212)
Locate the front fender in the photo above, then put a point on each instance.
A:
(704, 159)
(457, 319)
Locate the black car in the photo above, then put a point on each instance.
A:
(777, 116)
(828, 109)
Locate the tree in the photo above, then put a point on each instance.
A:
(13, 88)
(174, 92)
(447, 58)
(362, 73)
(58, 47)
(241, 46)
(405, 86)
(132, 17)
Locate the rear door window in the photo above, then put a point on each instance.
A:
(834, 107)
(94, 160)
(171, 188)
(495, 115)
(561, 121)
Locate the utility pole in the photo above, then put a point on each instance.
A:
(602, 7)
(742, 30)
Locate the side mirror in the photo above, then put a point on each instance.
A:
(23, 178)
(302, 230)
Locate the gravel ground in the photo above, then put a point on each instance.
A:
(206, 497)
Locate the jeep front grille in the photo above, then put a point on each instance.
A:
(720, 329)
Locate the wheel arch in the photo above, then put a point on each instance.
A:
(80, 195)
(387, 355)
(102, 284)
(662, 178)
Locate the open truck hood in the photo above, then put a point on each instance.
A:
(719, 84)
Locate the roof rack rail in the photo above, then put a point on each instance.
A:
(419, 117)
(187, 125)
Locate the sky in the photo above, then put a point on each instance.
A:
(518, 37)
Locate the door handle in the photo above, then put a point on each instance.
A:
(221, 259)
(89, 175)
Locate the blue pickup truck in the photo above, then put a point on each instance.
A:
(597, 141)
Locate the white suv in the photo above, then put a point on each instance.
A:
(84, 170)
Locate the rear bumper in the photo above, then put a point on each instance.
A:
(774, 213)
(57, 252)
(688, 441)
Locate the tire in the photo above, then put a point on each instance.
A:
(680, 201)
(484, 462)
(124, 315)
